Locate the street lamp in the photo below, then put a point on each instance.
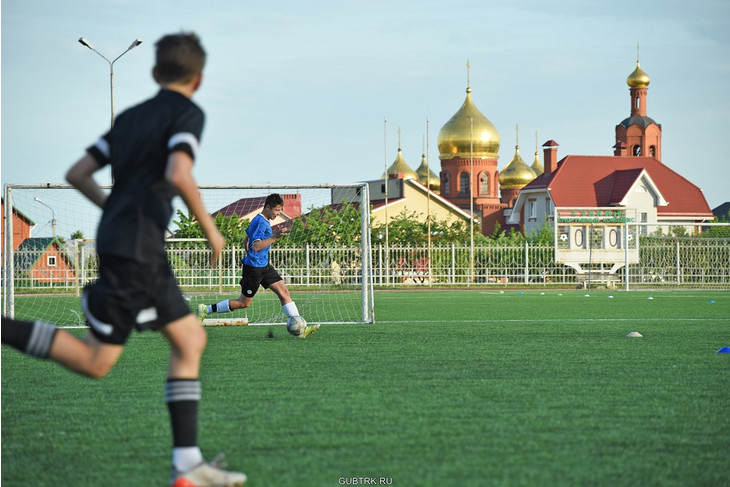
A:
(134, 44)
(53, 213)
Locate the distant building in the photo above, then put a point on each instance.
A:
(42, 260)
(634, 177)
(722, 211)
(247, 208)
(410, 196)
(523, 196)
(22, 226)
(468, 149)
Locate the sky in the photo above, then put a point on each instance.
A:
(315, 92)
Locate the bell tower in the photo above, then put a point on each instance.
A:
(638, 135)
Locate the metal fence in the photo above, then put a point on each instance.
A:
(665, 261)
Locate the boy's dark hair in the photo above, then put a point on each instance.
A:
(179, 58)
(273, 200)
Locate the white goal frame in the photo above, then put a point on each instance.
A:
(357, 194)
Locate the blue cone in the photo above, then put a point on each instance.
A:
(724, 350)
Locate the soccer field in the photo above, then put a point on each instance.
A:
(447, 388)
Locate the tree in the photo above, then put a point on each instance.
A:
(329, 226)
(411, 229)
(232, 227)
(718, 232)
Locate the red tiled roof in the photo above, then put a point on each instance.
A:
(585, 181)
(292, 206)
(242, 207)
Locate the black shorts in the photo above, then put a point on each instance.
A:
(253, 277)
(131, 295)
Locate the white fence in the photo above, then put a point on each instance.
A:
(665, 261)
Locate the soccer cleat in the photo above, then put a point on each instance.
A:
(208, 474)
(309, 330)
(202, 312)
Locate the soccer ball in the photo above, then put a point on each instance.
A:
(296, 325)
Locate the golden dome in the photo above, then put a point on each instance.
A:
(457, 137)
(426, 176)
(537, 165)
(517, 173)
(638, 79)
(400, 166)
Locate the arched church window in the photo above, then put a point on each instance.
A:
(464, 183)
(637, 150)
(446, 184)
(652, 150)
(484, 183)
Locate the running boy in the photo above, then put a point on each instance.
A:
(258, 271)
(151, 150)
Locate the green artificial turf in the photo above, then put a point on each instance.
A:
(447, 388)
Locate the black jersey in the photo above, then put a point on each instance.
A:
(139, 207)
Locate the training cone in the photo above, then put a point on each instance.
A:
(724, 350)
(635, 334)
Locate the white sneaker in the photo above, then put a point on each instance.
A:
(208, 474)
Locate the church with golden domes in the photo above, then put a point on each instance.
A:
(523, 196)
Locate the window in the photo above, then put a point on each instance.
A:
(464, 183)
(652, 150)
(644, 217)
(446, 184)
(483, 183)
(532, 210)
(549, 207)
(51, 261)
(637, 150)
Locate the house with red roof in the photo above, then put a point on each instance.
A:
(634, 178)
(247, 208)
(43, 260)
(22, 226)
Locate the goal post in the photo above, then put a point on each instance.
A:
(49, 251)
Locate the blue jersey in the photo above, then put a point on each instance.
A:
(259, 229)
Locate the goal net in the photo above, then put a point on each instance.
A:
(49, 252)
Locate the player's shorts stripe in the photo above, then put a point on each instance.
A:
(103, 147)
(184, 138)
(101, 327)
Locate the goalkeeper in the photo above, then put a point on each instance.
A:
(258, 271)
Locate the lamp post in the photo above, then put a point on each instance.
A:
(53, 213)
(134, 44)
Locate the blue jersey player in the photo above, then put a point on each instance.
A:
(258, 271)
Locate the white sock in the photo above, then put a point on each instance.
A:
(290, 309)
(185, 458)
(222, 307)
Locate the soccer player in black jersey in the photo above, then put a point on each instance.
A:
(151, 149)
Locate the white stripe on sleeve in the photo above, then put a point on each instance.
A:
(103, 147)
(184, 138)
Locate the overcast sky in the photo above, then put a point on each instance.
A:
(297, 92)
